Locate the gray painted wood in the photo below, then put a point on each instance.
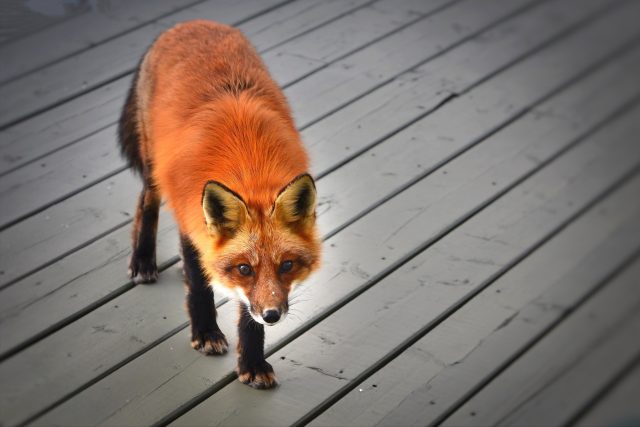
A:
(454, 358)
(101, 107)
(68, 123)
(343, 206)
(54, 367)
(303, 55)
(55, 290)
(56, 176)
(584, 377)
(335, 351)
(89, 69)
(544, 385)
(81, 33)
(431, 206)
(290, 21)
(68, 286)
(618, 407)
(419, 147)
(415, 93)
(347, 79)
(65, 227)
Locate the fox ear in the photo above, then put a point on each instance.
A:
(224, 210)
(295, 206)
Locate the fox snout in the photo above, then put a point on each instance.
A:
(269, 316)
(272, 316)
(270, 313)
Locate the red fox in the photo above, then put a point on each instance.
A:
(210, 132)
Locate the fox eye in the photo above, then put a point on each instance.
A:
(286, 266)
(245, 269)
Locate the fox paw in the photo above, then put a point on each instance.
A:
(209, 343)
(260, 376)
(143, 270)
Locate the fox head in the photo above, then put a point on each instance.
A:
(261, 255)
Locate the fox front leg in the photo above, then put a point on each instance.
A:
(206, 336)
(253, 369)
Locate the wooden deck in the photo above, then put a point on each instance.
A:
(478, 168)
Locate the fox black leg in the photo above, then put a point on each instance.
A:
(142, 267)
(252, 369)
(206, 336)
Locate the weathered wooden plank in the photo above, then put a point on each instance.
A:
(360, 334)
(410, 153)
(21, 19)
(432, 206)
(80, 73)
(585, 375)
(303, 55)
(619, 407)
(81, 33)
(63, 80)
(131, 332)
(454, 358)
(345, 80)
(414, 94)
(53, 233)
(546, 384)
(70, 286)
(283, 24)
(61, 290)
(65, 172)
(610, 88)
(55, 177)
(62, 125)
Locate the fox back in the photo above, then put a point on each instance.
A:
(212, 134)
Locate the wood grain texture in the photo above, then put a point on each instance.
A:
(81, 33)
(347, 79)
(414, 94)
(456, 357)
(83, 279)
(562, 370)
(66, 124)
(361, 333)
(618, 406)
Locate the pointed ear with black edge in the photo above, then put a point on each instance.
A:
(224, 210)
(295, 206)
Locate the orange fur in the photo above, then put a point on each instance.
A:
(208, 110)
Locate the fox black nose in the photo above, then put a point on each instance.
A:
(271, 316)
